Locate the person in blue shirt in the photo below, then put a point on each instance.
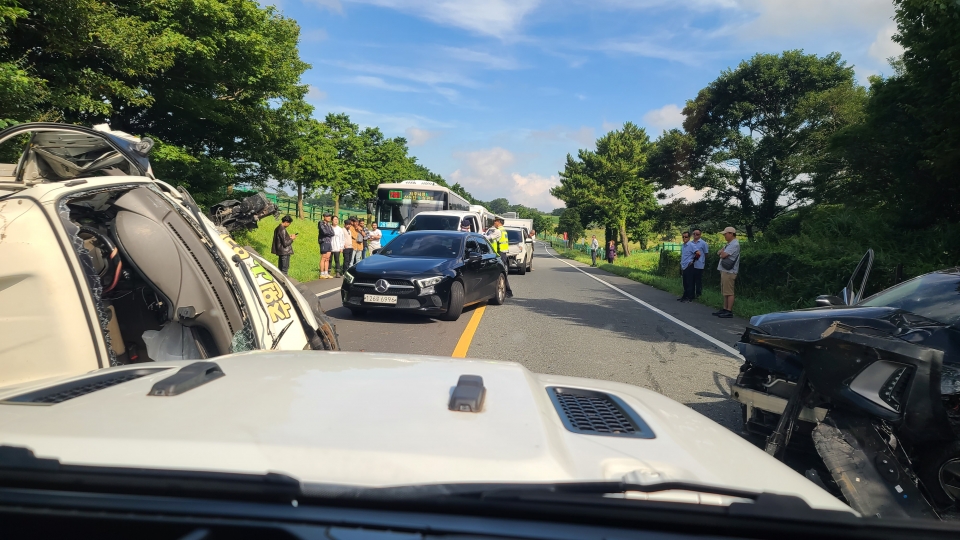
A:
(687, 251)
(699, 260)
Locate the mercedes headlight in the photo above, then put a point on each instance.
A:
(348, 277)
(428, 282)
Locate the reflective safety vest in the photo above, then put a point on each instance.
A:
(503, 244)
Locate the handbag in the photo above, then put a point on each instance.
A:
(729, 262)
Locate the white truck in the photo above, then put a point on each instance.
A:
(519, 223)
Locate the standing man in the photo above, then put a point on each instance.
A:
(357, 238)
(325, 239)
(501, 246)
(699, 260)
(594, 247)
(348, 233)
(728, 267)
(686, 268)
(375, 235)
(283, 244)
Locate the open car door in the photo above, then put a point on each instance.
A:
(853, 292)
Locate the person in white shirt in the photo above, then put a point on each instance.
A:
(336, 246)
(374, 236)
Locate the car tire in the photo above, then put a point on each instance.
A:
(500, 296)
(939, 466)
(357, 312)
(455, 306)
(521, 269)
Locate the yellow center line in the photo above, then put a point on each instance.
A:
(464, 344)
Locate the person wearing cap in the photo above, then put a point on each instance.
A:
(283, 244)
(728, 267)
(497, 237)
(465, 224)
(325, 239)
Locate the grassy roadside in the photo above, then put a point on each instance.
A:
(641, 268)
(305, 262)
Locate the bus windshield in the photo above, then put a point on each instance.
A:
(398, 206)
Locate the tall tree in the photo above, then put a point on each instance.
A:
(570, 223)
(754, 135)
(612, 179)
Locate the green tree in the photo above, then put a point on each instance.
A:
(755, 134)
(903, 158)
(206, 79)
(611, 180)
(570, 223)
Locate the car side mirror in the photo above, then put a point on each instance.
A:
(371, 206)
(374, 252)
(403, 229)
(473, 257)
(827, 300)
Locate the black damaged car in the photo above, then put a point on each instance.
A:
(433, 273)
(874, 383)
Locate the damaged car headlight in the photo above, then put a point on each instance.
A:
(348, 277)
(949, 380)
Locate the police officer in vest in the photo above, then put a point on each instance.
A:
(497, 236)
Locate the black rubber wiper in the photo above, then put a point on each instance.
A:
(20, 468)
(511, 489)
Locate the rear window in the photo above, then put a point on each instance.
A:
(933, 296)
(435, 223)
(423, 245)
(514, 237)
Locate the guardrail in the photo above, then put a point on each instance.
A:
(310, 211)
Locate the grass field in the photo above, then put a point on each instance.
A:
(640, 267)
(305, 262)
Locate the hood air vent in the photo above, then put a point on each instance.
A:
(595, 413)
(59, 393)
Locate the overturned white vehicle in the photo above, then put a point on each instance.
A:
(104, 265)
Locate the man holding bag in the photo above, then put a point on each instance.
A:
(728, 267)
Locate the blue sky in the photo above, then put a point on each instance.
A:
(493, 94)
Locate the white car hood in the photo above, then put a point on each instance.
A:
(369, 419)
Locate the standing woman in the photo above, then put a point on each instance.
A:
(336, 247)
(348, 231)
(357, 240)
(611, 252)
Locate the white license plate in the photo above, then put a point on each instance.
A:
(377, 299)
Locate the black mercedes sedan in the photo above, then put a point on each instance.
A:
(435, 273)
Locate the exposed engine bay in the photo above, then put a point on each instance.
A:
(160, 292)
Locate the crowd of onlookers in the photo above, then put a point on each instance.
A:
(340, 246)
(693, 256)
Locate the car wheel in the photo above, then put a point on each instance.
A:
(939, 472)
(455, 307)
(521, 268)
(498, 298)
(357, 312)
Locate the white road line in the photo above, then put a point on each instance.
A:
(324, 293)
(724, 347)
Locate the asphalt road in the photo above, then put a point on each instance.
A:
(563, 321)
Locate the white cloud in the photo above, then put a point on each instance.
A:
(332, 5)
(424, 76)
(666, 117)
(391, 123)
(684, 192)
(485, 59)
(315, 94)
(884, 47)
(315, 35)
(609, 126)
(377, 82)
(487, 175)
(416, 136)
(499, 18)
(649, 48)
(790, 18)
(584, 135)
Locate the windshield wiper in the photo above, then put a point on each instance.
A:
(21, 468)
